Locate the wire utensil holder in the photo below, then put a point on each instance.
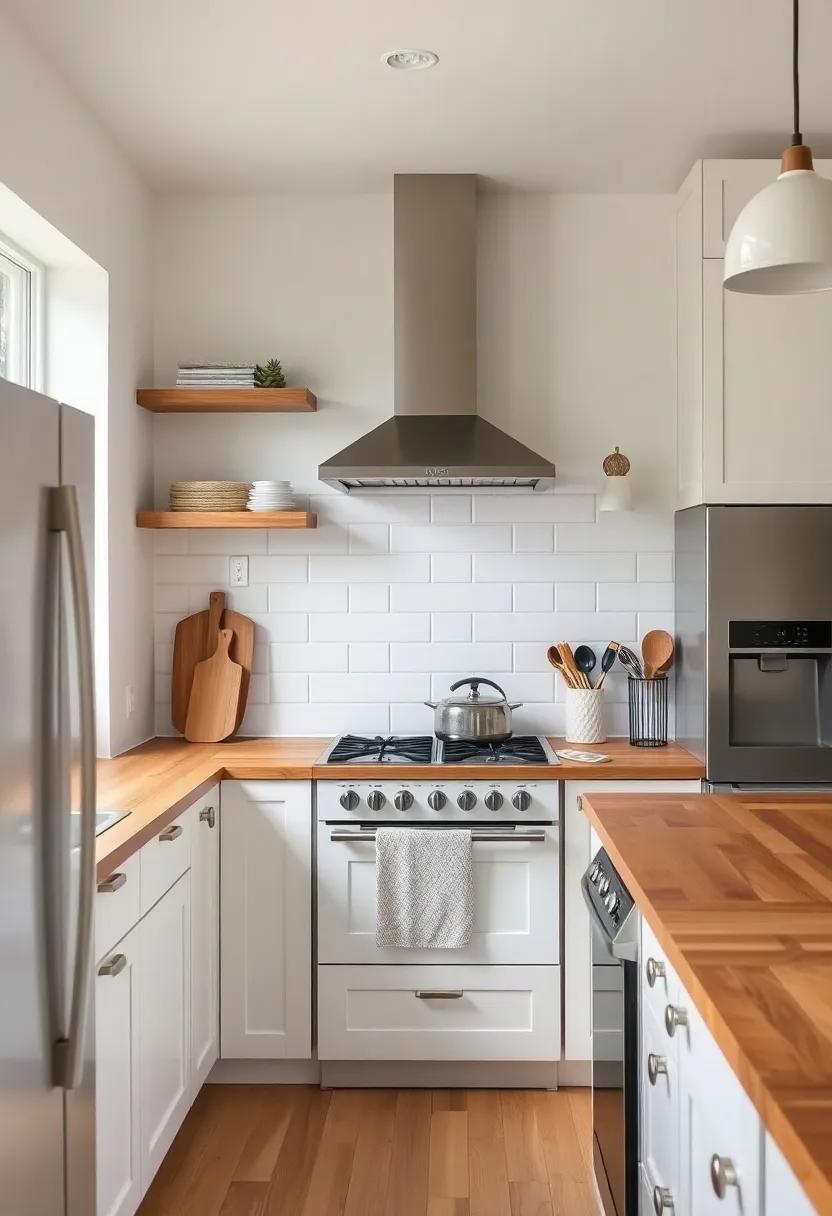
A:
(648, 711)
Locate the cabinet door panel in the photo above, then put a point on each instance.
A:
(164, 1019)
(117, 1140)
(266, 920)
(205, 928)
(659, 1105)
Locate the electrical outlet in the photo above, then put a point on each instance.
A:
(238, 572)
(129, 701)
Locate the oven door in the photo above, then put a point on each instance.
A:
(516, 902)
(614, 1075)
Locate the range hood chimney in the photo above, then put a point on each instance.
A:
(435, 438)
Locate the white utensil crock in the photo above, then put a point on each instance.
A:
(585, 715)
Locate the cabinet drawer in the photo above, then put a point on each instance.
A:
(665, 988)
(165, 858)
(478, 1013)
(117, 905)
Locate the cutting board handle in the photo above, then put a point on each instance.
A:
(216, 607)
(223, 643)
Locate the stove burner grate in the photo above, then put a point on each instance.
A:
(525, 749)
(417, 749)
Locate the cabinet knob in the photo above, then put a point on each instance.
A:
(674, 1017)
(114, 883)
(723, 1175)
(172, 833)
(208, 815)
(662, 1200)
(655, 1066)
(114, 965)
(655, 970)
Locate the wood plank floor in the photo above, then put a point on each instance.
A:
(292, 1150)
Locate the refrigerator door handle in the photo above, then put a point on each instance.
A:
(68, 1056)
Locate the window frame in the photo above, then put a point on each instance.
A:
(28, 276)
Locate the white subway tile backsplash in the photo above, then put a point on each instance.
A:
(450, 597)
(163, 658)
(311, 656)
(554, 568)
(369, 627)
(532, 597)
(617, 530)
(369, 538)
(369, 656)
(635, 597)
(280, 626)
(451, 509)
(287, 686)
(164, 623)
(576, 597)
(170, 598)
(319, 719)
(517, 687)
(371, 508)
(655, 567)
(260, 662)
(258, 690)
(227, 540)
(450, 538)
(411, 718)
(369, 597)
(241, 599)
(381, 687)
(326, 538)
(450, 568)
(655, 620)
(170, 542)
(543, 626)
(451, 627)
(534, 508)
(543, 718)
(380, 568)
(531, 656)
(534, 538)
(446, 656)
(186, 569)
(308, 597)
(279, 569)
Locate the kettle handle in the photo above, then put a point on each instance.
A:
(475, 682)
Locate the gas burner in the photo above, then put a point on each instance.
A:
(394, 749)
(522, 749)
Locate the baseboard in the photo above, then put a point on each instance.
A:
(575, 1072)
(439, 1074)
(265, 1072)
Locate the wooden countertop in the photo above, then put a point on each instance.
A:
(738, 890)
(158, 780)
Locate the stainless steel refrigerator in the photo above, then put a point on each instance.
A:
(47, 808)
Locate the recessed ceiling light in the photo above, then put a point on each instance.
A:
(410, 61)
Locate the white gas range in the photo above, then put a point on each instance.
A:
(496, 1002)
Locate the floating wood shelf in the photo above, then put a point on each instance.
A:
(226, 519)
(227, 400)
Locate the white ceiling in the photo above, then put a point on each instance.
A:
(565, 95)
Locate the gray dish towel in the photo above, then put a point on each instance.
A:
(424, 888)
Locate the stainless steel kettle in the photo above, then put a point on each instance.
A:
(473, 718)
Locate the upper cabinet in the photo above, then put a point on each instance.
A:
(754, 373)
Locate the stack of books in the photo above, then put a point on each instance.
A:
(215, 375)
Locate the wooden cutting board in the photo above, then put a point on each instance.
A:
(212, 709)
(191, 647)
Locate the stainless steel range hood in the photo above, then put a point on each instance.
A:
(435, 438)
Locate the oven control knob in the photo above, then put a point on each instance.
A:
(594, 872)
(522, 800)
(436, 800)
(403, 800)
(603, 884)
(493, 800)
(467, 800)
(375, 800)
(349, 800)
(611, 902)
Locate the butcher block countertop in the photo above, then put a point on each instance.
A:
(158, 780)
(738, 890)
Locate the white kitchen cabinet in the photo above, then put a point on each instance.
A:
(118, 1139)
(753, 372)
(266, 921)
(660, 1105)
(205, 933)
(784, 1196)
(164, 936)
(577, 849)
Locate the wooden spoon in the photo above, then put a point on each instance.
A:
(554, 657)
(579, 680)
(656, 652)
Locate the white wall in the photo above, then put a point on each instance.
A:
(55, 157)
(391, 598)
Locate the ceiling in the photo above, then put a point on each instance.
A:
(564, 95)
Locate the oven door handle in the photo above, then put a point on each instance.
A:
(478, 837)
(625, 951)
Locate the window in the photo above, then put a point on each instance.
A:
(21, 291)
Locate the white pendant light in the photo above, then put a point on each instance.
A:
(781, 243)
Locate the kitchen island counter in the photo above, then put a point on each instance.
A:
(738, 890)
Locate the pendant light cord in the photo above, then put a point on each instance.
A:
(797, 138)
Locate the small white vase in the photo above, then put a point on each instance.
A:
(585, 715)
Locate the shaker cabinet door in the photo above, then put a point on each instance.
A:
(205, 931)
(117, 1147)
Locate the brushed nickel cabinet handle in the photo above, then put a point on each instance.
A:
(208, 815)
(656, 1065)
(655, 969)
(438, 994)
(114, 883)
(580, 803)
(662, 1200)
(674, 1017)
(114, 965)
(172, 833)
(723, 1175)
